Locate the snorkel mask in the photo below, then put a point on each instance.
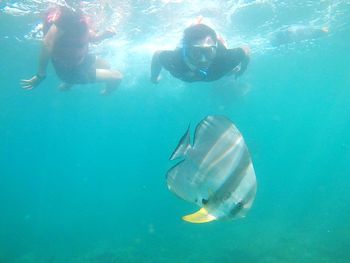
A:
(205, 51)
(200, 54)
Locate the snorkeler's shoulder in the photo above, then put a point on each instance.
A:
(238, 53)
(241, 51)
(169, 57)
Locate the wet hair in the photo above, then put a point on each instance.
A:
(72, 21)
(197, 32)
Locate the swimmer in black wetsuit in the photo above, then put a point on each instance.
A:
(297, 33)
(202, 57)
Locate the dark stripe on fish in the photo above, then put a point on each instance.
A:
(233, 180)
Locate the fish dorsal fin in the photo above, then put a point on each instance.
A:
(199, 217)
(183, 146)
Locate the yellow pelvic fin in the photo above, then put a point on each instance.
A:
(201, 216)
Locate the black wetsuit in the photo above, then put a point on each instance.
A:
(224, 62)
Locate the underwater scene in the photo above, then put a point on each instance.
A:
(86, 158)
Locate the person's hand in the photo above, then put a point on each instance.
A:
(31, 83)
(110, 32)
(155, 80)
(237, 69)
(241, 67)
(246, 50)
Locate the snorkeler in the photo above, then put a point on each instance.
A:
(297, 33)
(66, 44)
(202, 57)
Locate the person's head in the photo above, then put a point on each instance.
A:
(71, 21)
(199, 45)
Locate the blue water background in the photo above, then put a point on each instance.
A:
(82, 176)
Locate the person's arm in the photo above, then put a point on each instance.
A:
(244, 61)
(44, 59)
(238, 60)
(99, 36)
(156, 67)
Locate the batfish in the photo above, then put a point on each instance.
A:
(215, 172)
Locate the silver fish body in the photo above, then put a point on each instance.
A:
(216, 172)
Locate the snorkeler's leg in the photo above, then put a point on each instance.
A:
(111, 78)
(102, 64)
(65, 86)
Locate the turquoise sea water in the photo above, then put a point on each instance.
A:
(82, 176)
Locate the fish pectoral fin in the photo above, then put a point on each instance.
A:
(199, 217)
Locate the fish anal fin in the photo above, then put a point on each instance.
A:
(199, 217)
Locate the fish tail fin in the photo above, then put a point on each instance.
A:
(183, 146)
(199, 217)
